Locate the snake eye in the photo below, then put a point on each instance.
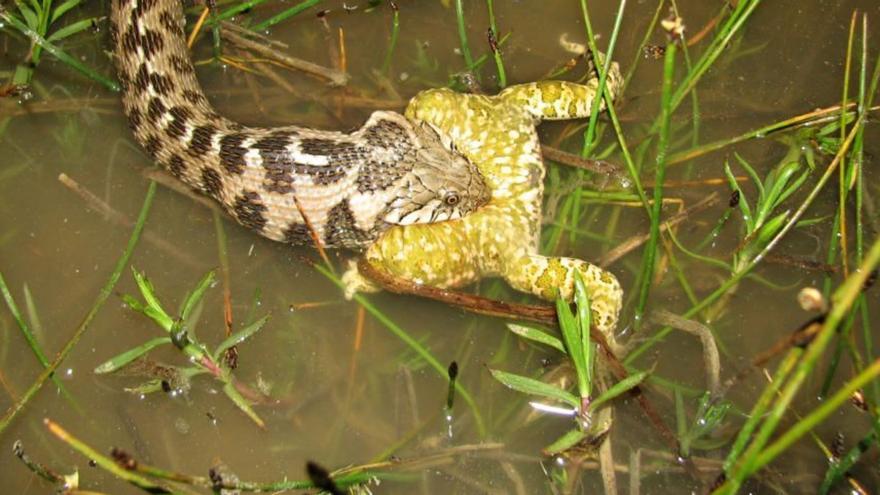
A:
(451, 199)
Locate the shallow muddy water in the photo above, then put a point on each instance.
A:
(344, 390)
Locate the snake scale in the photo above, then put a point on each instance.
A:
(349, 187)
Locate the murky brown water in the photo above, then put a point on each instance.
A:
(344, 405)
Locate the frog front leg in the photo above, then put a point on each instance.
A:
(544, 275)
(560, 100)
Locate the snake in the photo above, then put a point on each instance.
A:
(499, 134)
(290, 183)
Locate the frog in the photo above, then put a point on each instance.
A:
(498, 133)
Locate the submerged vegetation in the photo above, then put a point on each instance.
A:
(720, 271)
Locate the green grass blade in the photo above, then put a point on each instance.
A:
(531, 386)
(26, 329)
(59, 10)
(571, 337)
(30, 18)
(537, 336)
(568, 440)
(840, 467)
(620, 388)
(646, 272)
(193, 298)
(493, 31)
(756, 456)
(238, 9)
(462, 34)
(392, 43)
(283, 16)
(242, 403)
(590, 132)
(120, 360)
(584, 321)
(240, 336)
(812, 420)
(72, 29)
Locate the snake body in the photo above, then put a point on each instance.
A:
(285, 183)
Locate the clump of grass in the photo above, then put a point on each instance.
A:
(180, 332)
(41, 22)
(581, 351)
(150, 479)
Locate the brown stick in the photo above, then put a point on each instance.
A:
(118, 218)
(633, 242)
(469, 302)
(572, 160)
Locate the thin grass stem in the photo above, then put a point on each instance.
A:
(395, 32)
(105, 292)
(590, 133)
(840, 235)
(28, 334)
(650, 253)
(462, 35)
(242, 6)
(413, 344)
(286, 14)
(493, 33)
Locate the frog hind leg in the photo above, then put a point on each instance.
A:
(544, 275)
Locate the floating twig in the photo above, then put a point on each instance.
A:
(118, 218)
(632, 243)
(336, 77)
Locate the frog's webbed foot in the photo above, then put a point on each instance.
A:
(560, 100)
(353, 281)
(543, 276)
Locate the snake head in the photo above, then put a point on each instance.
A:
(441, 185)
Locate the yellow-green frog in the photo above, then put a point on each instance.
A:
(498, 134)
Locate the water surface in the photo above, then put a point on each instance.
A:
(344, 397)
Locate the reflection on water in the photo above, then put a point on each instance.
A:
(345, 388)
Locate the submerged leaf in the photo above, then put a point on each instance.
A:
(771, 228)
(149, 387)
(242, 403)
(565, 442)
